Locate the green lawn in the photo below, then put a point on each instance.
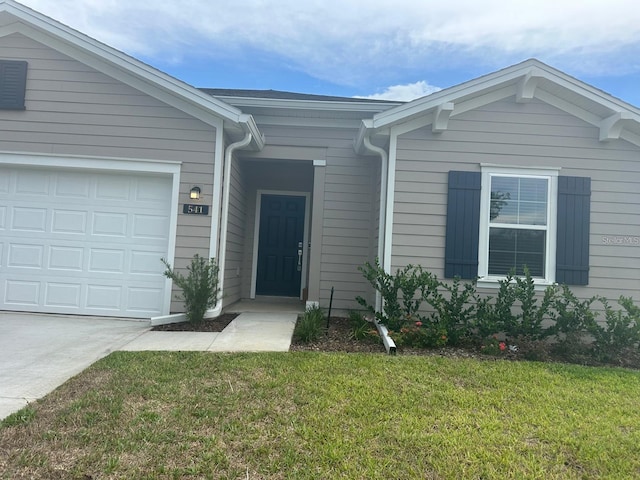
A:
(316, 416)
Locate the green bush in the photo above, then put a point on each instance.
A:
(620, 334)
(200, 290)
(420, 335)
(402, 294)
(522, 317)
(455, 312)
(311, 325)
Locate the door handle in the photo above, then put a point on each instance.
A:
(299, 256)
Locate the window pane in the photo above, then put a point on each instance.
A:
(518, 200)
(511, 249)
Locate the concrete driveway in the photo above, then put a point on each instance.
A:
(40, 352)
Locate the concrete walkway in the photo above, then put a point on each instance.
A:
(249, 332)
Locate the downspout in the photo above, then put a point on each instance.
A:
(228, 158)
(384, 167)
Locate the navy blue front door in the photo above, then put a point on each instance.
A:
(281, 235)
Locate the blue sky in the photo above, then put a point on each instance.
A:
(375, 48)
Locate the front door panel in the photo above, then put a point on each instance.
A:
(281, 235)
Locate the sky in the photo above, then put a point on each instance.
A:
(394, 50)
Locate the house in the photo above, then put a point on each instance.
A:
(108, 165)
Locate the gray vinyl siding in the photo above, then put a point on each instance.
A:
(533, 135)
(72, 109)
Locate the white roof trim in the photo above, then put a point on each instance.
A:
(122, 67)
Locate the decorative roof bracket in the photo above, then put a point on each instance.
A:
(527, 86)
(611, 127)
(441, 117)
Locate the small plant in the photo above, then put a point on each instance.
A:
(310, 326)
(200, 290)
(361, 328)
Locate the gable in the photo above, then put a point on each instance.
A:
(527, 82)
(18, 19)
(83, 111)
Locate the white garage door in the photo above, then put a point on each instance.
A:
(83, 242)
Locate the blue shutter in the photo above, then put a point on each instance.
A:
(574, 212)
(13, 81)
(463, 224)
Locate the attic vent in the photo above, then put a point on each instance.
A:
(13, 81)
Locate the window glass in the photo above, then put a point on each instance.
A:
(513, 248)
(517, 225)
(518, 200)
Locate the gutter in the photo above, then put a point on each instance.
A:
(228, 158)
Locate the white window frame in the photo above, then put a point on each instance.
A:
(551, 175)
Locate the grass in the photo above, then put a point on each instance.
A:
(308, 415)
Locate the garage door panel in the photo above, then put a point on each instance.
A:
(112, 224)
(32, 182)
(25, 256)
(29, 219)
(22, 293)
(106, 297)
(69, 221)
(146, 263)
(113, 188)
(91, 245)
(150, 190)
(63, 295)
(150, 226)
(74, 186)
(66, 258)
(106, 260)
(143, 299)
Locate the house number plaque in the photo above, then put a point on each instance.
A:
(191, 209)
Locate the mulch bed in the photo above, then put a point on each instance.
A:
(207, 325)
(338, 339)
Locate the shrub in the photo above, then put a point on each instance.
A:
(455, 313)
(620, 335)
(420, 335)
(402, 294)
(310, 326)
(573, 319)
(200, 290)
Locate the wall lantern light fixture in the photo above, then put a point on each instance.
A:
(195, 193)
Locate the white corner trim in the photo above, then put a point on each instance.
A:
(527, 86)
(611, 127)
(441, 117)
(319, 163)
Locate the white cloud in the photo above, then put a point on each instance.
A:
(404, 93)
(340, 41)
